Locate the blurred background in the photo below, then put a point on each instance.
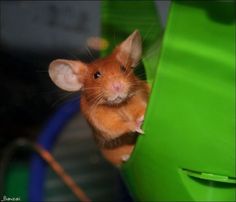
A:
(32, 34)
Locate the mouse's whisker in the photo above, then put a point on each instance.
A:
(60, 99)
(129, 73)
(155, 48)
(90, 54)
(89, 88)
(140, 74)
(92, 96)
(96, 102)
(94, 99)
(148, 31)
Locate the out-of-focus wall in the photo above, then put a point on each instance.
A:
(48, 25)
(53, 25)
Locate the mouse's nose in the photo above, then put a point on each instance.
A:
(117, 86)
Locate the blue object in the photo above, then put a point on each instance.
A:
(46, 139)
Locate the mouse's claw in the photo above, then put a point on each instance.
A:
(125, 157)
(139, 130)
(139, 123)
(140, 119)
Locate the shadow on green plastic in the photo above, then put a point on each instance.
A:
(207, 186)
(140, 71)
(212, 9)
(205, 177)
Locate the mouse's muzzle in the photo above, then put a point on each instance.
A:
(117, 92)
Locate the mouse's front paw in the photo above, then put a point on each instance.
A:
(139, 123)
(125, 157)
(139, 130)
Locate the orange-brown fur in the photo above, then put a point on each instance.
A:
(114, 155)
(112, 121)
(113, 103)
(108, 121)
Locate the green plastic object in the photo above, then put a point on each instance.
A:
(119, 19)
(188, 150)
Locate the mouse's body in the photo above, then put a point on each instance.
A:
(113, 99)
(112, 121)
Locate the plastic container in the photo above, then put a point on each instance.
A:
(188, 150)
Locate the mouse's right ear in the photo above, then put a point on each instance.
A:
(67, 74)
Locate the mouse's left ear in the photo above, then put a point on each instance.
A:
(67, 74)
(130, 50)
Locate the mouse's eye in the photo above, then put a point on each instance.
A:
(97, 75)
(123, 68)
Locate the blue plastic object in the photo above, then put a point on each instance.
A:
(47, 139)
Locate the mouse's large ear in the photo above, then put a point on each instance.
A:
(130, 50)
(67, 74)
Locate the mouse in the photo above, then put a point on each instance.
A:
(113, 99)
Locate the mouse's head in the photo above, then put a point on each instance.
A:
(108, 80)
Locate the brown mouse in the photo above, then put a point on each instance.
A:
(113, 99)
